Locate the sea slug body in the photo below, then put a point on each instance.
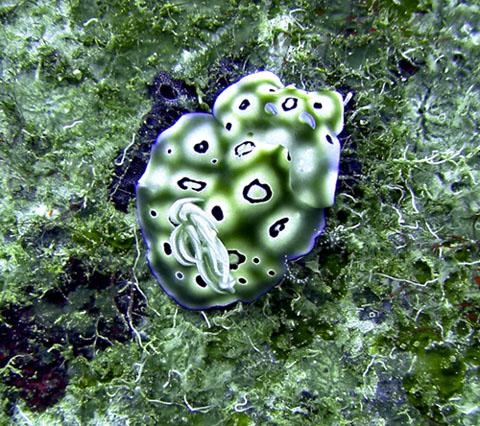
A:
(227, 198)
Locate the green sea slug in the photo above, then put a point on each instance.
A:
(227, 198)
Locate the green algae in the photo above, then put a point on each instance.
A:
(379, 325)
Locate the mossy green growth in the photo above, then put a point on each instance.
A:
(227, 198)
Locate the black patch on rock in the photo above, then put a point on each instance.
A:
(168, 89)
(24, 343)
(407, 68)
(33, 344)
(389, 396)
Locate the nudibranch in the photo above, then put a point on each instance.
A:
(227, 198)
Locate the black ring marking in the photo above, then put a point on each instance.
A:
(286, 104)
(200, 281)
(265, 187)
(271, 272)
(244, 148)
(217, 213)
(195, 185)
(277, 227)
(201, 147)
(318, 105)
(153, 213)
(256, 260)
(179, 275)
(329, 139)
(240, 258)
(167, 248)
(169, 150)
(244, 105)
(242, 280)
